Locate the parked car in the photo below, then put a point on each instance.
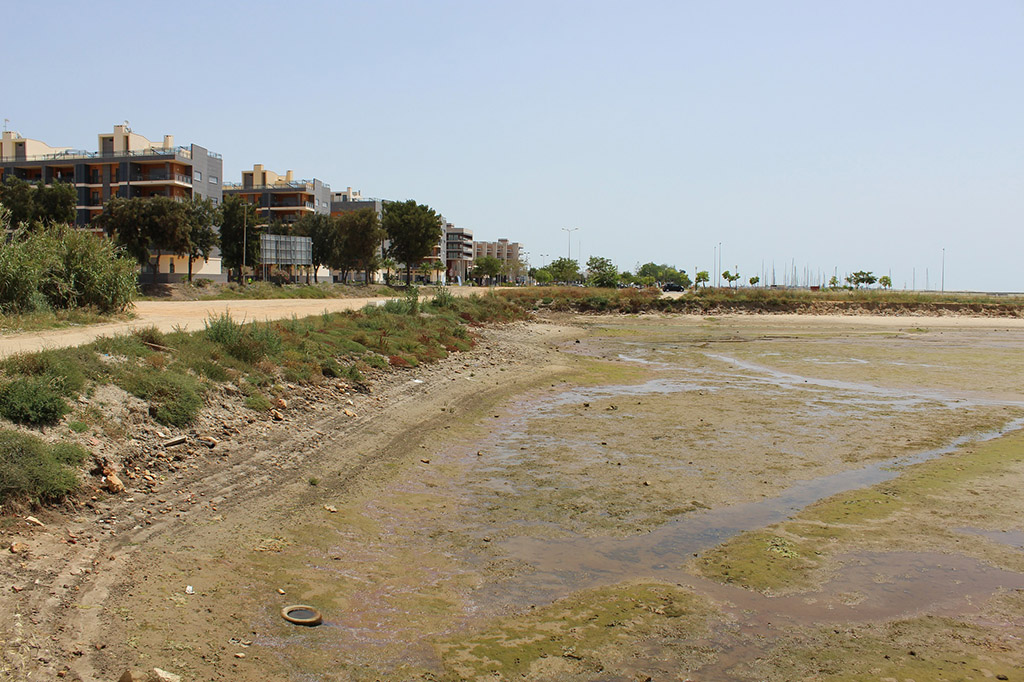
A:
(672, 286)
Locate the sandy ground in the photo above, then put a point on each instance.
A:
(188, 316)
(569, 501)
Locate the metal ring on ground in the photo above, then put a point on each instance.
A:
(301, 614)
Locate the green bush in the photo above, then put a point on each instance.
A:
(34, 471)
(175, 398)
(62, 370)
(58, 267)
(32, 401)
(443, 298)
(248, 343)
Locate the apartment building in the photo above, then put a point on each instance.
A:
(458, 248)
(125, 164)
(503, 250)
(281, 197)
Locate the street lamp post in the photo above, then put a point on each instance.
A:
(943, 279)
(568, 234)
(245, 215)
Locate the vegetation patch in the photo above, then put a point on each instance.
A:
(32, 401)
(33, 471)
(701, 301)
(588, 631)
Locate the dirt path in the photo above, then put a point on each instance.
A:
(189, 316)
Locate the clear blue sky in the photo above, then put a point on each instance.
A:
(834, 135)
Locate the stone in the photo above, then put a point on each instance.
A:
(114, 484)
(281, 403)
(331, 508)
(158, 675)
(177, 440)
(34, 521)
(277, 415)
(19, 548)
(349, 413)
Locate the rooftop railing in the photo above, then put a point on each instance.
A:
(297, 184)
(183, 152)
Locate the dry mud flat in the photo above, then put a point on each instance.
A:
(668, 498)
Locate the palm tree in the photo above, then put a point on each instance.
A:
(388, 264)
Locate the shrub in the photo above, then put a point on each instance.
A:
(30, 469)
(32, 401)
(59, 267)
(249, 343)
(60, 369)
(443, 298)
(223, 329)
(175, 398)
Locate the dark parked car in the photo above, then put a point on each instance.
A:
(672, 286)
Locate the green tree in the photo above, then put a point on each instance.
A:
(363, 239)
(653, 270)
(388, 264)
(438, 266)
(19, 198)
(486, 266)
(754, 280)
(143, 225)
(730, 277)
(601, 272)
(326, 240)
(833, 282)
(702, 278)
(414, 230)
(564, 270)
(238, 227)
(56, 203)
(543, 276)
(424, 270)
(885, 281)
(33, 204)
(861, 277)
(203, 236)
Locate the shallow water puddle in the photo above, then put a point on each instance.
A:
(568, 564)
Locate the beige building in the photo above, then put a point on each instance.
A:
(505, 251)
(281, 197)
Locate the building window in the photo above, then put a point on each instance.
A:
(198, 176)
(214, 179)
